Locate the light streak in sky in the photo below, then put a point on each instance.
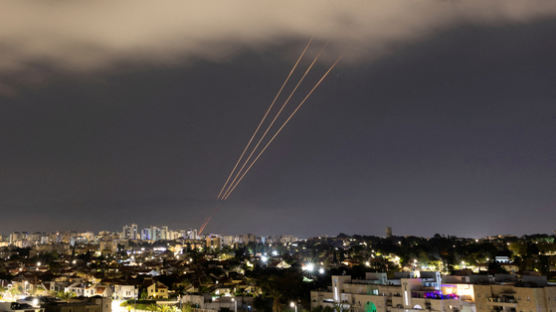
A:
(264, 117)
(236, 176)
(234, 186)
(269, 127)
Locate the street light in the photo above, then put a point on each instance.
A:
(235, 304)
(294, 306)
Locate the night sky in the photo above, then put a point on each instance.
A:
(453, 132)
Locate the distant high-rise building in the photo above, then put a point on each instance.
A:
(155, 233)
(214, 241)
(284, 239)
(192, 234)
(227, 240)
(130, 231)
(248, 238)
(388, 232)
(19, 239)
(146, 234)
(164, 233)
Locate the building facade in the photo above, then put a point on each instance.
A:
(429, 292)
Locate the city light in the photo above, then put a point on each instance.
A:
(312, 269)
(309, 267)
(293, 305)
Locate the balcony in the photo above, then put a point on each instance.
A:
(503, 301)
(503, 309)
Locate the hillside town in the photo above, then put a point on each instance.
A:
(156, 268)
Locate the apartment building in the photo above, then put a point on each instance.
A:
(428, 292)
(376, 293)
(527, 294)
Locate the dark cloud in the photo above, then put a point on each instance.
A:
(451, 134)
(80, 35)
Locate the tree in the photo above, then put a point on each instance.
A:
(143, 295)
(495, 268)
(65, 295)
(281, 285)
(340, 307)
(14, 291)
(187, 308)
(162, 308)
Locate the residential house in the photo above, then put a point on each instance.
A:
(157, 290)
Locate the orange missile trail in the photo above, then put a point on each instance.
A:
(282, 126)
(292, 70)
(202, 228)
(269, 127)
(264, 117)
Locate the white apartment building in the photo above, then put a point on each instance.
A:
(405, 293)
(429, 292)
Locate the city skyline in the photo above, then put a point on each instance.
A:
(133, 231)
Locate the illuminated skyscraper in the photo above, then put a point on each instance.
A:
(388, 232)
(130, 231)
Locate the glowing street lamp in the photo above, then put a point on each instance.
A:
(293, 305)
(235, 304)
